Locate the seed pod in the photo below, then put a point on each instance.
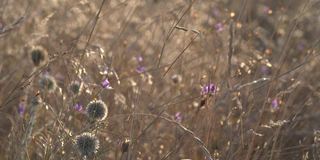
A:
(38, 55)
(125, 146)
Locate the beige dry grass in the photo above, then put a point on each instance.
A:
(158, 55)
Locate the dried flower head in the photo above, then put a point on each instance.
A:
(86, 144)
(47, 83)
(97, 110)
(76, 87)
(38, 55)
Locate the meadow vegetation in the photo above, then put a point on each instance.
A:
(159, 79)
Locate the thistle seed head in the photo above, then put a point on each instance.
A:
(47, 83)
(97, 110)
(38, 55)
(86, 144)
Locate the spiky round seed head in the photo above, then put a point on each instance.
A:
(86, 144)
(76, 87)
(97, 110)
(47, 83)
(38, 55)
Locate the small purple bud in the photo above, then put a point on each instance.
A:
(219, 27)
(106, 84)
(21, 109)
(265, 70)
(275, 104)
(140, 69)
(178, 117)
(208, 89)
(78, 107)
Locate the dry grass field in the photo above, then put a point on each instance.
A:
(159, 79)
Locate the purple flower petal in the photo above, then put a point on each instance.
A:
(140, 69)
(178, 117)
(106, 84)
(208, 89)
(265, 70)
(219, 27)
(21, 109)
(78, 107)
(275, 104)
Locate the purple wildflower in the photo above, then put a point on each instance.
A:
(106, 84)
(78, 107)
(219, 27)
(265, 70)
(275, 103)
(21, 109)
(208, 89)
(178, 117)
(140, 69)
